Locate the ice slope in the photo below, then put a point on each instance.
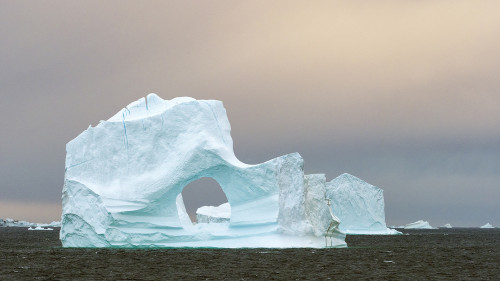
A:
(124, 178)
(487, 225)
(419, 225)
(212, 214)
(358, 204)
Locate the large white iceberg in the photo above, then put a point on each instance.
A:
(124, 179)
(359, 205)
(421, 224)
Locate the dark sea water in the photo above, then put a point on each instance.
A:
(443, 254)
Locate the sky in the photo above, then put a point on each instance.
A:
(402, 94)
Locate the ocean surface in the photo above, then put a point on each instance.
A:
(441, 254)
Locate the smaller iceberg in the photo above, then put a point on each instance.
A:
(421, 224)
(212, 214)
(447, 226)
(488, 225)
(358, 205)
(8, 222)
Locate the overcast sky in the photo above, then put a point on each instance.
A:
(403, 94)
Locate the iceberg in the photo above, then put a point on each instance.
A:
(124, 178)
(487, 225)
(419, 225)
(211, 214)
(52, 224)
(8, 222)
(447, 226)
(359, 205)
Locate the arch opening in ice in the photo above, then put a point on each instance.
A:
(205, 201)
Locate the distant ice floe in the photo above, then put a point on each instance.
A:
(39, 228)
(488, 225)
(8, 222)
(421, 224)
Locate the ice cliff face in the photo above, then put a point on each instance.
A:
(124, 178)
(358, 204)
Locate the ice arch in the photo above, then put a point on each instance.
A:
(123, 177)
(202, 192)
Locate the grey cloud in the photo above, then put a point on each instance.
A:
(402, 94)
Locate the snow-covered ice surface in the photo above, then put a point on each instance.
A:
(421, 224)
(359, 205)
(487, 225)
(124, 178)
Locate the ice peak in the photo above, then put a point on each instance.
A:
(354, 182)
(147, 106)
(487, 225)
(348, 176)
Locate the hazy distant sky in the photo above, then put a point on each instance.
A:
(403, 94)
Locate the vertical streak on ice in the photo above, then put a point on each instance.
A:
(125, 130)
(217, 122)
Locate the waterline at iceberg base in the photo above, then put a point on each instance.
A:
(124, 179)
